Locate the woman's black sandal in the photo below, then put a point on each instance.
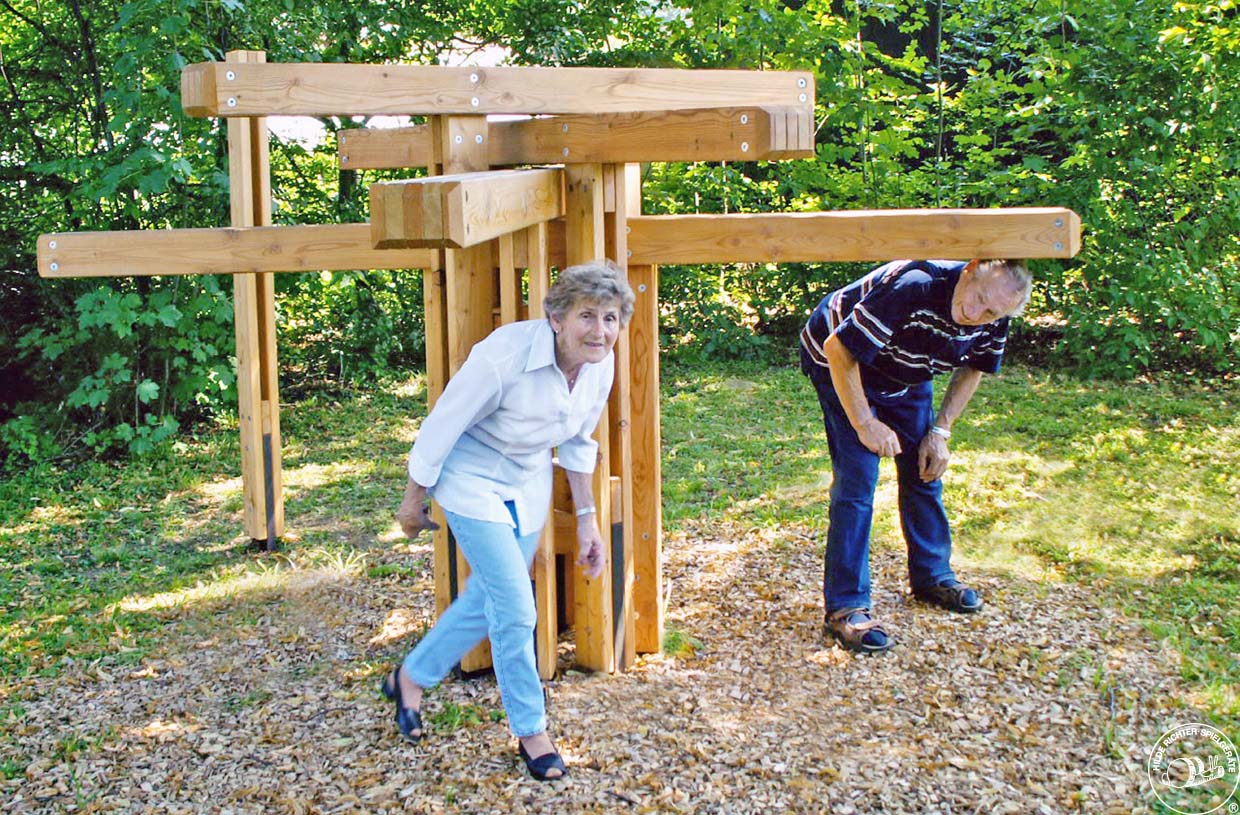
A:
(407, 719)
(852, 634)
(539, 767)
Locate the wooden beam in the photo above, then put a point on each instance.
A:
(1047, 232)
(719, 134)
(465, 209)
(228, 250)
(330, 89)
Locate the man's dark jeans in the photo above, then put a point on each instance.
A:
(855, 475)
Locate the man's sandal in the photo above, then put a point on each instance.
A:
(951, 595)
(859, 632)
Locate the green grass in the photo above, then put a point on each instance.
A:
(1129, 489)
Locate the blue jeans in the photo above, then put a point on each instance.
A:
(498, 601)
(854, 468)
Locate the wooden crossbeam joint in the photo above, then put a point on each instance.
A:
(464, 209)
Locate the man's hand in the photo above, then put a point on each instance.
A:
(414, 515)
(589, 547)
(878, 438)
(932, 456)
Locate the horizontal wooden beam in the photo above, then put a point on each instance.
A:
(463, 209)
(221, 251)
(329, 89)
(719, 134)
(1047, 232)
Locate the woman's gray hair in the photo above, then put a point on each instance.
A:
(596, 281)
(1017, 273)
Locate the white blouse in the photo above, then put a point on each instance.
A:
(489, 437)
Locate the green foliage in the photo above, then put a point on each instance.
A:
(1123, 110)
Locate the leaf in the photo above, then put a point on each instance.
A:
(147, 391)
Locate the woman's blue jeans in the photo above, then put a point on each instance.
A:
(846, 583)
(498, 601)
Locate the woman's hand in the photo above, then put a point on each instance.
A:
(414, 515)
(589, 547)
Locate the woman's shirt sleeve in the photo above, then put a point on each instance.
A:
(471, 394)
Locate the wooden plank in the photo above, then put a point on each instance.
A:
(465, 209)
(1035, 232)
(584, 241)
(469, 288)
(620, 536)
(375, 148)
(509, 281)
(331, 89)
(254, 307)
(546, 633)
(228, 250)
(646, 473)
(584, 232)
(716, 134)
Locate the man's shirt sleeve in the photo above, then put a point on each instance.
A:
(882, 311)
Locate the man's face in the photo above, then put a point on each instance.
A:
(983, 297)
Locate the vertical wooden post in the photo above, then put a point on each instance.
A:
(546, 636)
(646, 476)
(254, 305)
(620, 536)
(459, 144)
(584, 240)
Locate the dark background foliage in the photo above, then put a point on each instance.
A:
(1123, 110)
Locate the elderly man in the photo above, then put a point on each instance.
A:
(871, 349)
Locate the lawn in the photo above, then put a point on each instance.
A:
(1121, 497)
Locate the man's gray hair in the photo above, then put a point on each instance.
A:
(1017, 273)
(596, 281)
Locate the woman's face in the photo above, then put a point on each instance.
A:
(586, 332)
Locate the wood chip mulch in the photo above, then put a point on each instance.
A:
(1047, 702)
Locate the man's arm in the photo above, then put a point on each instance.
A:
(932, 453)
(877, 437)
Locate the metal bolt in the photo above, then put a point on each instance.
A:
(744, 147)
(478, 139)
(642, 287)
(1058, 246)
(744, 118)
(627, 230)
(628, 253)
(51, 244)
(55, 266)
(565, 128)
(232, 101)
(802, 97)
(474, 101)
(473, 77)
(342, 138)
(645, 535)
(459, 139)
(1059, 222)
(231, 75)
(801, 83)
(344, 159)
(565, 152)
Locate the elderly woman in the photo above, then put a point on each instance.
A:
(484, 454)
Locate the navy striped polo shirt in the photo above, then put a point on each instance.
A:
(897, 322)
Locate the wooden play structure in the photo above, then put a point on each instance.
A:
(485, 225)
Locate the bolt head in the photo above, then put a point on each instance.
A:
(231, 75)
(478, 139)
(232, 101)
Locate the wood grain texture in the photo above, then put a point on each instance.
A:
(1046, 232)
(228, 250)
(330, 89)
(719, 134)
(461, 210)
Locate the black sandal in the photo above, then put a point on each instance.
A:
(539, 767)
(407, 719)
